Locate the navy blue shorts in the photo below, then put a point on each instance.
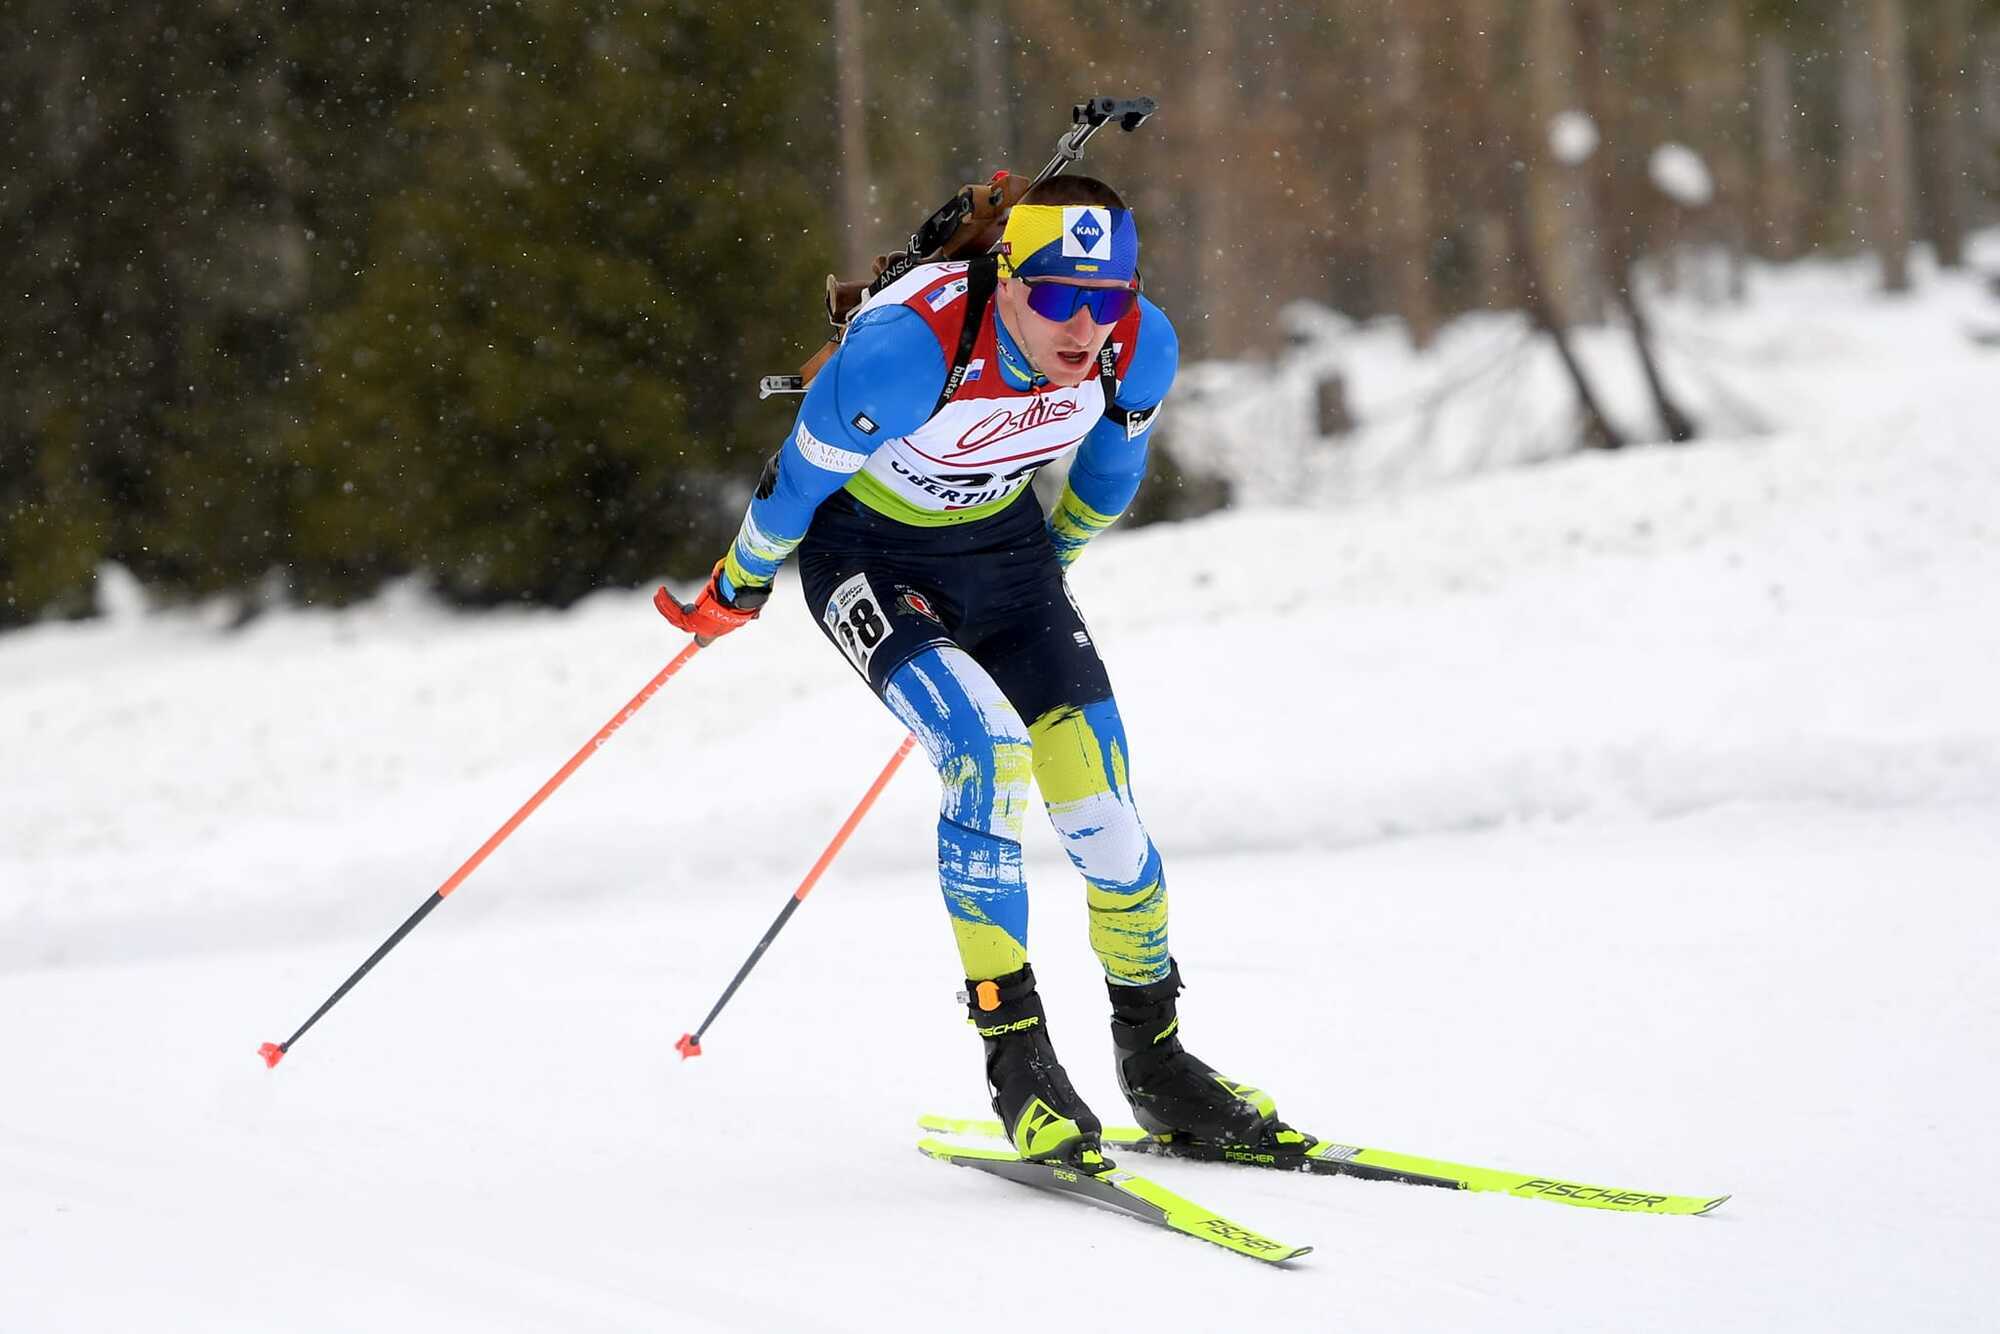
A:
(884, 591)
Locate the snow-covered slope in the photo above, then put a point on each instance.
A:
(1633, 818)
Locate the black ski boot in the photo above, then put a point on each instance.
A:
(1032, 1096)
(1171, 1092)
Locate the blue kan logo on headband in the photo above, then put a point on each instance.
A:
(1088, 232)
(1071, 241)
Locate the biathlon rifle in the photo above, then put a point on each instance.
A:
(970, 223)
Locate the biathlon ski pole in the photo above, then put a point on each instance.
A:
(273, 1052)
(690, 1043)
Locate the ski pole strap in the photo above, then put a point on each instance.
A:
(982, 278)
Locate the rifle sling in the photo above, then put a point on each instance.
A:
(982, 278)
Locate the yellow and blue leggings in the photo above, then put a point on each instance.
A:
(986, 757)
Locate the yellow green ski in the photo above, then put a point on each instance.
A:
(1105, 1185)
(1329, 1158)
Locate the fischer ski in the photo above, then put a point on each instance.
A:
(1325, 1157)
(1109, 1187)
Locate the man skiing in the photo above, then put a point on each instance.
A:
(903, 488)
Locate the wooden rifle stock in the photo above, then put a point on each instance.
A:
(970, 224)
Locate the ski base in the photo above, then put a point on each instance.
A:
(1111, 1188)
(1332, 1159)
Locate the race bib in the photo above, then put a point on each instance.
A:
(854, 618)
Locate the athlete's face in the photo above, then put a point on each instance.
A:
(1063, 351)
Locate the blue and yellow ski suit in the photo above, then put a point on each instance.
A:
(930, 566)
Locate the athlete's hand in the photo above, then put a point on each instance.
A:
(710, 616)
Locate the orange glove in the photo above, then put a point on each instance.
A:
(711, 616)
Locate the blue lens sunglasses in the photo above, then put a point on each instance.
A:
(1060, 301)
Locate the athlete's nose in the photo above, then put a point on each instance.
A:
(1080, 326)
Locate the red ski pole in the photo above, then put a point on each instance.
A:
(690, 1043)
(273, 1052)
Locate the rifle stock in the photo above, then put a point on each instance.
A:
(970, 223)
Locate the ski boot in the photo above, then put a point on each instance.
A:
(1032, 1095)
(1175, 1096)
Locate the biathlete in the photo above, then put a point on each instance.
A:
(904, 488)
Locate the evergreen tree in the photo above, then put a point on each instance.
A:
(176, 182)
(542, 381)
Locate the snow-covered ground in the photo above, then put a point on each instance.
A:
(1808, 352)
(1632, 818)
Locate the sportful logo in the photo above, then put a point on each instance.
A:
(1086, 233)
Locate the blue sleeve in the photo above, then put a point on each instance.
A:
(1155, 362)
(882, 382)
(1111, 461)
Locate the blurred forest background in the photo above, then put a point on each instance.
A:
(296, 298)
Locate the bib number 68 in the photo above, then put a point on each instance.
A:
(854, 618)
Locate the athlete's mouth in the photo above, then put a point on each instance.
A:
(1077, 358)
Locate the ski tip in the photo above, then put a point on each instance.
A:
(272, 1054)
(1713, 1205)
(688, 1046)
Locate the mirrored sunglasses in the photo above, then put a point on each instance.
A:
(1060, 301)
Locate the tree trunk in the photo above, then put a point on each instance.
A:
(1396, 175)
(1493, 282)
(1890, 211)
(1859, 136)
(1723, 96)
(1680, 427)
(1598, 432)
(1619, 246)
(1210, 186)
(1987, 165)
(992, 45)
(1780, 194)
(1947, 105)
(1559, 222)
(857, 186)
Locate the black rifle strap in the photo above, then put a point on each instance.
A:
(982, 279)
(1135, 421)
(1107, 375)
